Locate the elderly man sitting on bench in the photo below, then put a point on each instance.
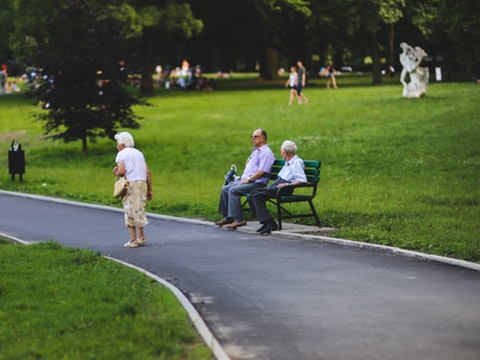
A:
(291, 174)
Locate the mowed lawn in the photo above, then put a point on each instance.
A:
(400, 172)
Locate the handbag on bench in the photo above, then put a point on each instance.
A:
(231, 174)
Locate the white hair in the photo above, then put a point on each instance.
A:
(125, 138)
(289, 146)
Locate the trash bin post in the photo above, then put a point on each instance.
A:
(16, 160)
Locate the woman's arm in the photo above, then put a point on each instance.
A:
(149, 184)
(119, 170)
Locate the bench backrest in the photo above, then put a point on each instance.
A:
(312, 170)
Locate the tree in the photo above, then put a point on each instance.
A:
(6, 23)
(80, 46)
(452, 29)
(372, 18)
(296, 29)
(252, 31)
(331, 31)
(229, 34)
(162, 25)
(272, 15)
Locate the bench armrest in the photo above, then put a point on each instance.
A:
(283, 190)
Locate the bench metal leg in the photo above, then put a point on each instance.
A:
(314, 213)
(279, 216)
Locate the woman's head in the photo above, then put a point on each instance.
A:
(124, 138)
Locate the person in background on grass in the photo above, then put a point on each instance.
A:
(131, 164)
(15, 87)
(8, 87)
(3, 78)
(256, 175)
(292, 84)
(302, 78)
(291, 174)
(330, 70)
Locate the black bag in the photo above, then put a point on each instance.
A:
(230, 176)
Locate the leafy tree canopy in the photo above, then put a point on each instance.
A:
(452, 27)
(79, 47)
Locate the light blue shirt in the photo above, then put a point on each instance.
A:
(293, 170)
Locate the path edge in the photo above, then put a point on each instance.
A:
(283, 233)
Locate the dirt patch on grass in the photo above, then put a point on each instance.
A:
(9, 136)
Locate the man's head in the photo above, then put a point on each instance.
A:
(288, 149)
(259, 138)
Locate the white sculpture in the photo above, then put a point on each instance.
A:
(411, 58)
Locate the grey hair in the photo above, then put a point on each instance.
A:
(125, 138)
(289, 146)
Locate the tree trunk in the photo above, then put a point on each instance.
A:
(148, 65)
(146, 82)
(298, 41)
(391, 38)
(268, 64)
(376, 65)
(250, 61)
(84, 146)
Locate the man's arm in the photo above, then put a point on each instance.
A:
(253, 177)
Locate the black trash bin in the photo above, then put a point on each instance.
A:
(16, 160)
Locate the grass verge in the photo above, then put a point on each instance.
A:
(62, 303)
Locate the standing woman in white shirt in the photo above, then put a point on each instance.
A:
(131, 164)
(292, 84)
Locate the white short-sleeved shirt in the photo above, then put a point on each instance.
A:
(135, 166)
(292, 79)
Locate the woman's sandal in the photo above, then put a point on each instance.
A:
(141, 241)
(131, 244)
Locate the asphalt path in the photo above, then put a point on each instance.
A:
(280, 297)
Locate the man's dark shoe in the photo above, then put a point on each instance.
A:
(260, 229)
(269, 227)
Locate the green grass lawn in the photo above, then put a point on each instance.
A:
(62, 303)
(400, 172)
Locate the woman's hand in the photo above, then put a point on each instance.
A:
(119, 170)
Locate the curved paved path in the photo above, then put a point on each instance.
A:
(280, 297)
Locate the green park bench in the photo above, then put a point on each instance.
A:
(307, 194)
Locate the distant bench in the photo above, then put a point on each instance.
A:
(312, 170)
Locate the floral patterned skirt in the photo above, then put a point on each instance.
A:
(134, 204)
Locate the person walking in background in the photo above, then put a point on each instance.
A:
(131, 164)
(330, 71)
(3, 78)
(256, 175)
(291, 174)
(292, 84)
(302, 77)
